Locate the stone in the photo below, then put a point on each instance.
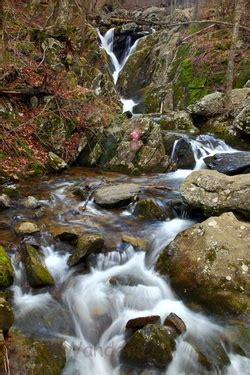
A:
(6, 269)
(138, 323)
(6, 316)
(204, 264)
(230, 164)
(36, 271)
(183, 155)
(175, 324)
(116, 195)
(136, 242)
(242, 119)
(87, 244)
(215, 193)
(5, 202)
(177, 120)
(209, 105)
(31, 202)
(149, 209)
(33, 357)
(150, 346)
(56, 163)
(26, 227)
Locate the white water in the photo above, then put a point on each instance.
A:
(107, 42)
(100, 310)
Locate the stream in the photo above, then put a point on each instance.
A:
(85, 308)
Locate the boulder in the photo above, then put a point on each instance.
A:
(208, 264)
(4, 202)
(208, 106)
(230, 164)
(87, 243)
(56, 163)
(242, 119)
(6, 269)
(31, 202)
(137, 242)
(177, 120)
(139, 323)
(215, 193)
(32, 357)
(183, 155)
(116, 195)
(6, 315)
(149, 209)
(36, 271)
(175, 324)
(26, 227)
(151, 346)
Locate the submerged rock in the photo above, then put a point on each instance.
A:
(36, 271)
(149, 209)
(6, 316)
(138, 323)
(26, 227)
(87, 243)
(215, 193)
(116, 195)
(136, 241)
(208, 264)
(151, 346)
(6, 269)
(230, 164)
(29, 357)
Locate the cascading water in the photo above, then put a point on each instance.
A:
(107, 43)
(98, 309)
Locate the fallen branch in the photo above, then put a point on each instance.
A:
(200, 32)
(30, 91)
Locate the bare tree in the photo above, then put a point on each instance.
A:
(239, 9)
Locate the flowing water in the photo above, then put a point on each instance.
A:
(85, 308)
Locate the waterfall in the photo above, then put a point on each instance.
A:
(107, 43)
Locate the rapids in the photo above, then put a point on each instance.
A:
(88, 312)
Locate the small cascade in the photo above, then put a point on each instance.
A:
(107, 43)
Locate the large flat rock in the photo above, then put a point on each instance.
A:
(215, 193)
(116, 195)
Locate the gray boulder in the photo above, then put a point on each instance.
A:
(230, 164)
(215, 193)
(209, 105)
(116, 195)
(208, 264)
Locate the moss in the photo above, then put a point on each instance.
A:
(242, 73)
(6, 269)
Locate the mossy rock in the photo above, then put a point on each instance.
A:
(6, 269)
(30, 357)
(36, 271)
(149, 209)
(6, 315)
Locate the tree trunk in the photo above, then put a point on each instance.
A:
(2, 28)
(239, 8)
(61, 14)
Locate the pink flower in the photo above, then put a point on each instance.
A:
(135, 135)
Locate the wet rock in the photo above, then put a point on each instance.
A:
(183, 155)
(215, 193)
(139, 323)
(177, 120)
(56, 163)
(87, 243)
(26, 227)
(116, 195)
(208, 264)
(6, 316)
(5, 202)
(230, 164)
(36, 271)
(237, 338)
(175, 324)
(150, 346)
(6, 269)
(126, 280)
(10, 190)
(31, 202)
(209, 105)
(211, 353)
(149, 209)
(29, 357)
(136, 241)
(67, 236)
